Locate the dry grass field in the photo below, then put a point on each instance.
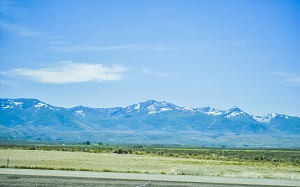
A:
(131, 163)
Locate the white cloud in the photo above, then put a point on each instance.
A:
(69, 72)
(289, 78)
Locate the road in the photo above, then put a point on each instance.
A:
(30, 177)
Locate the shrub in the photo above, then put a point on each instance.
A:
(122, 151)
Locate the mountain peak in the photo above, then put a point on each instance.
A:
(235, 108)
(210, 111)
(234, 111)
(149, 101)
(151, 107)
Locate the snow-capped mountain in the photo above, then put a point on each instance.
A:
(31, 118)
(152, 107)
(148, 107)
(25, 104)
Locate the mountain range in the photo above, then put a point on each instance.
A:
(149, 122)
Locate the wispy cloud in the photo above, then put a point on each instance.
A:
(146, 47)
(30, 33)
(10, 26)
(291, 79)
(209, 45)
(162, 74)
(19, 29)
(69, 72)
(77, 48)
(13, 16)
(147, 71)
(9, 9)
(133, 47)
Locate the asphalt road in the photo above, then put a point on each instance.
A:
(49, 178)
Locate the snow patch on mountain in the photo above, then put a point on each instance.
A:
(214, 112)
(39, 105)
(151, 109)
(189, 109)
(272, 115)
(137, 107)
(11, 104)
(165, 109)
(19, 104)
(210, 111)
(264, 119)
(7, 106)
(233, 114)
(79, 113)
(269, 117)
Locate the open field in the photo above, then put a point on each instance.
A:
(149, 163)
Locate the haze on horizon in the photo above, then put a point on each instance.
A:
(117, 53)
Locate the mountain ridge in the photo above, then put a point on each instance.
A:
(212, 111)
(149, 121)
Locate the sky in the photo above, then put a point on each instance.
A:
(192, 53)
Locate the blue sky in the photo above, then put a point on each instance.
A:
(116, 53)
